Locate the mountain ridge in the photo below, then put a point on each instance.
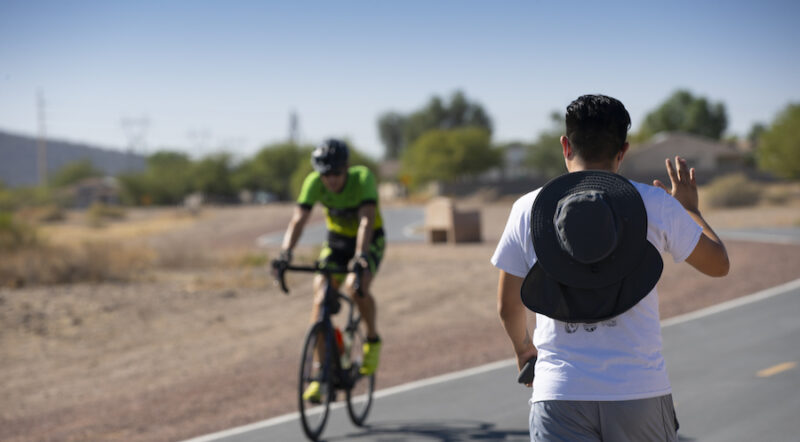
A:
(18, 158)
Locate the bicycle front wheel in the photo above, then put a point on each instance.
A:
(315, 367)
(359, 395)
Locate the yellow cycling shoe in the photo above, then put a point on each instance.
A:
(312, 393)
(372, 353)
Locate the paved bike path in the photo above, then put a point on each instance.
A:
(401, 224)
(734, 371)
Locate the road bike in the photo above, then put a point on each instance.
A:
(331, 356)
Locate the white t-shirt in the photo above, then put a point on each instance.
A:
(616, 359)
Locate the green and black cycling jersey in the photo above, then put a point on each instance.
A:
(341, 209)
(341, 213)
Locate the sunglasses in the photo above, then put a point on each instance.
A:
(334, 173)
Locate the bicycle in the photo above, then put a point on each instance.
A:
(326, 341)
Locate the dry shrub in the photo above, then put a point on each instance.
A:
(782, 193)
(15, 234)
(98, 214)
(177, 255)
(41, 214)
(254, 260)
(45, 264)
(733, 191)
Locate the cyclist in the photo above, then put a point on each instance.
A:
(355, 236)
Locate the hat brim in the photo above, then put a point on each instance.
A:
(629, 208)
(544, 294)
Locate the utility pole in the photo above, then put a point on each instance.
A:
(41, 145)
(294, 128)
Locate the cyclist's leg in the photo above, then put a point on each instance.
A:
(367, 306)
(332, 258)
(366, 303)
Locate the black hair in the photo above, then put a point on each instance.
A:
(597, 127)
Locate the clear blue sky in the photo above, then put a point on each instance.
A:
(212, 74)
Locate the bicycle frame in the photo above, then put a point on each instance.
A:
(332, 372)
(332, 296)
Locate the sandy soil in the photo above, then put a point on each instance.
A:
(203, 347)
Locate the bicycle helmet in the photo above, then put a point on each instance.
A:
(330, 156)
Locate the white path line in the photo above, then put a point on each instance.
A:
(744, 300)
(762, 237)
(749, 299)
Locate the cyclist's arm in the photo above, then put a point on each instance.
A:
(366, 217)
(296, 225)
(514, 317)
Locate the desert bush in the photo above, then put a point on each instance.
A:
(98, 214)
(781, 193)
(254, 260)
(7, 200)
(45, 264)
(41, 214)
(178, 255)
(778, 197)
(15, 234)
(733, 191)
(14, 199)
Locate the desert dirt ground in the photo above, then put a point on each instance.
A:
(200, 343)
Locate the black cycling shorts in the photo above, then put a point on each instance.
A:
(338, 250)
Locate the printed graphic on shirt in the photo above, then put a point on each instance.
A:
(571, 327)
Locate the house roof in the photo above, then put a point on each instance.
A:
(679, 143)
(699, 151)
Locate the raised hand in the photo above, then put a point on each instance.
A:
(684, 186)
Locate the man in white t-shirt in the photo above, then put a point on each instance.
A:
(583, 252)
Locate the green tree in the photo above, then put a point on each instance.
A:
(398, 131)
(271, 169)
(683, 112)
(74, 172)
(449, 155)
(544, 155)
(167, 179)
(391, 127)
(212, 176)
(754, 136)
(779, 148)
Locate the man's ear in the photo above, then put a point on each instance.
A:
(566, 148)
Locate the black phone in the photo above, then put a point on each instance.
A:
(526, 374)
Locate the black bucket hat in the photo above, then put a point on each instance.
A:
(589, 231)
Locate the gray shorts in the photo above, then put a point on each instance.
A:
(651, 419)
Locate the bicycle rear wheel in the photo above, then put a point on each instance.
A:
(359, 395)
(314, 411)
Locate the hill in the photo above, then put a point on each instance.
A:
(18, 156)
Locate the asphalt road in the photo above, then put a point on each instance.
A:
(735, 373)
(401, 224)
(733, 367)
